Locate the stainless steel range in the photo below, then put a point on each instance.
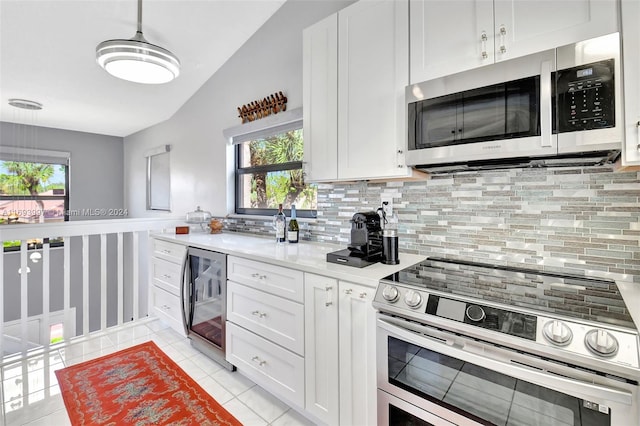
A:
(468, 343)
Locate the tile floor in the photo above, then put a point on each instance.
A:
(30, 394)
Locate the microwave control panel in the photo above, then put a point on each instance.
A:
(586, 97)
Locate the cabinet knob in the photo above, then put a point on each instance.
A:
(483, 45)
(329, 301)
(503, 34)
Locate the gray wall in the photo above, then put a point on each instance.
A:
(96, 172)
(269, 62)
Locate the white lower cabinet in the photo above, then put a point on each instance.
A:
(357, 354)
(340, 351)
(166, 280)
(321, 348)
(265, 326)
(269, 365)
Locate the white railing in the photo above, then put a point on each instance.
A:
(95, 280)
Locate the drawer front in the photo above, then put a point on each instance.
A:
(272, 317)
(172, 252)
(272, 367)
(166, 275)
(167, 307)
(272, 279)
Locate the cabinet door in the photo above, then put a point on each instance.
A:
(321, 347)
(372, 74)
(357, 319)
(320, 99)
(527, 26)
(631, 57)
(447, 37)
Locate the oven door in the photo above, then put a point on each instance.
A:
(469, 382)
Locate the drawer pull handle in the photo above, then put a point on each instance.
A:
(363, 295)
(348, 291)
(259, 314)
(258, 276)
(166, 251)
(166, 275)
(166, 307)
(257, 359)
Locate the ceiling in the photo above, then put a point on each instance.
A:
(47, 55)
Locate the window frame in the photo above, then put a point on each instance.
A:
(261, 129)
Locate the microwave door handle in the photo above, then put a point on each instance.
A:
(545, 104)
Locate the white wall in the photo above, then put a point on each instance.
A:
(271, 61)
(96, 167)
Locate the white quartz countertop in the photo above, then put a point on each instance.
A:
(305, 256)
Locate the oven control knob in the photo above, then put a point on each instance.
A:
(557, 332)
(390, 293)
(412, 299)
(601, 342)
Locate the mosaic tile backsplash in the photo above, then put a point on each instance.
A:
(583, 221)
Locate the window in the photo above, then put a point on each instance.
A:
(269, 172)
(34, 188)
(33, 191)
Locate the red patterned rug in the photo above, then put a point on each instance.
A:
(137, 386)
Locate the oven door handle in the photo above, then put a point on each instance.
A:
(457, 348)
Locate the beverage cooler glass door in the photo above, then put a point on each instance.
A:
(205, 301)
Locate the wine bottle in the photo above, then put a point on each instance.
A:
(293, 226)
(281, 225)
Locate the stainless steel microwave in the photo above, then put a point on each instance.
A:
(560, 106)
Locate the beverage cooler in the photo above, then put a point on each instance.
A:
(203, 300)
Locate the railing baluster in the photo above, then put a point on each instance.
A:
(24, 302)
(103, 281)
(45, 329)
(136, 273)
(67, 289)
(85, 285)
(120, 255)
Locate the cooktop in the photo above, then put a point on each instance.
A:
(570, 296)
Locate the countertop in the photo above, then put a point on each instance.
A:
(305, 256)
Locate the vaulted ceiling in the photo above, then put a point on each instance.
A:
(47, 55)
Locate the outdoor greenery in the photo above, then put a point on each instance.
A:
(270, 188)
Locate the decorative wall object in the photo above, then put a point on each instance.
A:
(257, 109)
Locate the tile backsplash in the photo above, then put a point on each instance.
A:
(570, 220)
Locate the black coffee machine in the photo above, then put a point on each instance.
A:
(365, 247)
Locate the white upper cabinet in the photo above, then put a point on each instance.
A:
(355, 69)
(372, 74)
(631, 70)
(449, 37)
(320, 94)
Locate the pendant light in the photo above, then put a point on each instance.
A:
(136, 59)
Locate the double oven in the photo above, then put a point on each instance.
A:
(462, 343)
